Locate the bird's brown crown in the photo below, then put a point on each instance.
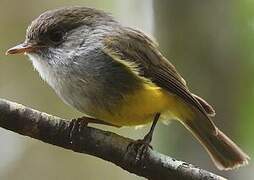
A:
(54, 23)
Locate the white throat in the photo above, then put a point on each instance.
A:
(46, 72)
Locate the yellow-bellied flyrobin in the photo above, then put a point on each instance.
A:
(117, 74)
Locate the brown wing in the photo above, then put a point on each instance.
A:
(133, 46)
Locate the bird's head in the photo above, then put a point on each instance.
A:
(56, 34)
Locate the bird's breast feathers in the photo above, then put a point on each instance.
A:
(121, 97)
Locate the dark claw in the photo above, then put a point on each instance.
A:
(77, 126)
(82, 124)
(140, 147)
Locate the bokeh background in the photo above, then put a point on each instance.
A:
(210, 42)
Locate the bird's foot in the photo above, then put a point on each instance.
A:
(77, 126)
(140, 147)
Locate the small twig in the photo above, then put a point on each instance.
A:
(103, 144)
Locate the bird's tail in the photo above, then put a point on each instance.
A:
(224, 152)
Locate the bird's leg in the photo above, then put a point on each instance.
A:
(87, 120)
(141, 145)
(77, 125)
(149, 136)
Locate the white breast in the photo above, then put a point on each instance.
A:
(63, 86)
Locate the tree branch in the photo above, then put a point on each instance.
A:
(103, 144)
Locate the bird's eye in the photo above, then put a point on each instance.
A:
(56, 37)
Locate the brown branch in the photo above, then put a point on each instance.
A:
(103, 144)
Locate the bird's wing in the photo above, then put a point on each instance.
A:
(135, 47)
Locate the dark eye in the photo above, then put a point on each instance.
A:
(56, 37)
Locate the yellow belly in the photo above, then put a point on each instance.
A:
(140, 107)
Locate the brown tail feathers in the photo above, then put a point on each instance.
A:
(224, 152)
(207, 107)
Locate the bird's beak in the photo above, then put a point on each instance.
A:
(22, 48)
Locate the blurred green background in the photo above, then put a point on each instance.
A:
(211, 44)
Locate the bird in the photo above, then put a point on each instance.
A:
(117, 75)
